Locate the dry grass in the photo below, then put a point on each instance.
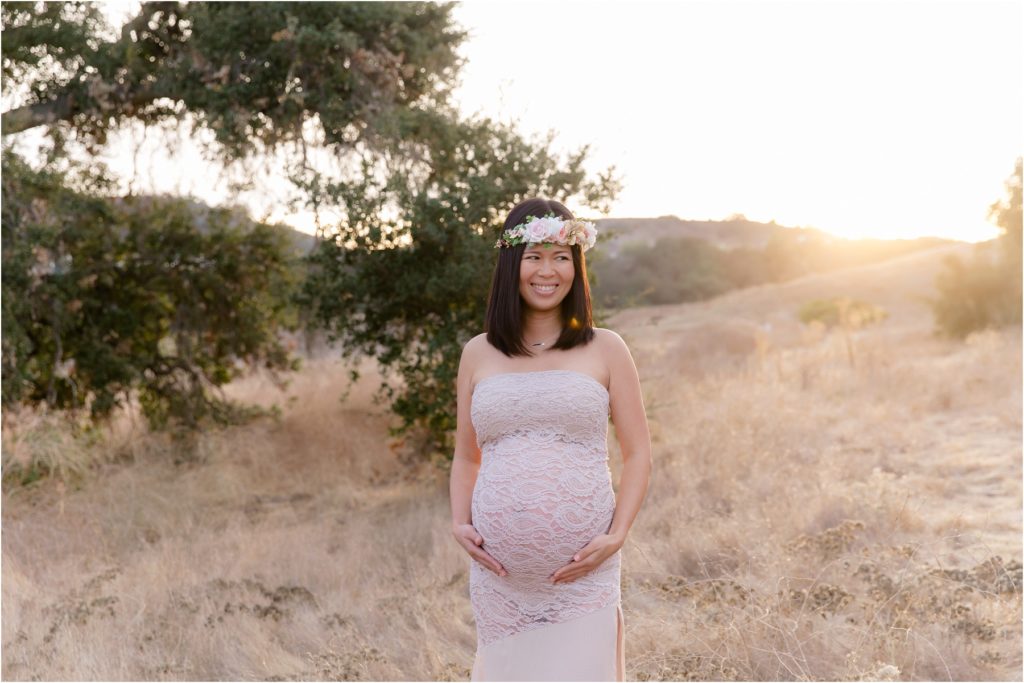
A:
(807, 519)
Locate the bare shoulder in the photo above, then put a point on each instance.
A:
(476, 344)
(609, 340)
(613, 350)
(622, 370)
(472, 351)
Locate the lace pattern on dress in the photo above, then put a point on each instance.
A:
(542, 493)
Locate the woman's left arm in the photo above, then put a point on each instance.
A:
(630, 419)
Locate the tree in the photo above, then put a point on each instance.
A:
(1006, 214)
(404, 278)
(252, 72)
(399, 278)
(986, 291)
(104, 296)
(154, 296)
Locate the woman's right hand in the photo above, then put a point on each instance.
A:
(469, 539)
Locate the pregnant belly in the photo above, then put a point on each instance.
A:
(534, 525)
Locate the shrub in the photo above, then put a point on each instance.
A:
(986, 290)
(841, 312)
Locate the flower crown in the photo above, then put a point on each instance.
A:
(550, 228)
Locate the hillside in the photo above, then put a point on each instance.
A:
(808, 518)
(731, 233)
(727, 234)
(733, 322)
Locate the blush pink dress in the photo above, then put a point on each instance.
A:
(543, 492)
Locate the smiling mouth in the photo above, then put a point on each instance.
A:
(547, 289)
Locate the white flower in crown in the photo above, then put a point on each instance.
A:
(550, 228)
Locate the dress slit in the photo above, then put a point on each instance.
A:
(620, 653)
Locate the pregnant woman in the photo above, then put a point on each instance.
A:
(531, 493)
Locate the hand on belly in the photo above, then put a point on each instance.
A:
(531, 544)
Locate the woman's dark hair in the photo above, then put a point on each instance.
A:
(504, 321)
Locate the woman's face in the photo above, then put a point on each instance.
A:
(545, 275)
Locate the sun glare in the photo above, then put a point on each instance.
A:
(864, 119)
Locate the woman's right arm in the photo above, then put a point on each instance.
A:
(466, 465)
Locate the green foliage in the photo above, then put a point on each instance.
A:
(156, 295)
(45, 41)
(402, 278)
(985, 291)
(850, 314)
(252, 72)
(102, 297)
(405, 277)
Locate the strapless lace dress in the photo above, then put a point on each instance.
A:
(542, 493)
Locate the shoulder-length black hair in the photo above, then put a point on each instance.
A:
(505, 307)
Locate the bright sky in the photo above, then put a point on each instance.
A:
(865, 119)
(884, 119)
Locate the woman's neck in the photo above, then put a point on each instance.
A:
(542, 326)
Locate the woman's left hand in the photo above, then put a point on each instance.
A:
(587, 559)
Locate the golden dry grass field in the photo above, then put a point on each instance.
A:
(820, 508)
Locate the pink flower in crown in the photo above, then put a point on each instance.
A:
(536, 230)
(551, 229)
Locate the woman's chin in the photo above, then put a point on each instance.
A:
(545, 304)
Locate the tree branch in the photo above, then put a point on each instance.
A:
(38, 114)
(66, 105)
